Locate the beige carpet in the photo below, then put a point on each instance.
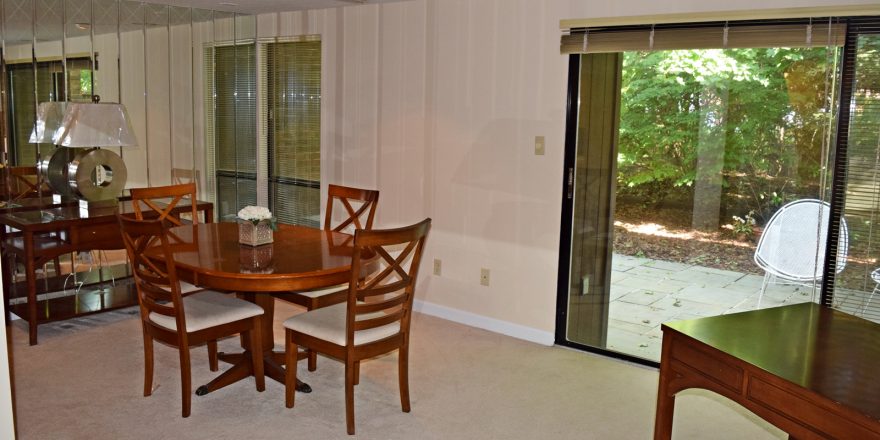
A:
(85, 381)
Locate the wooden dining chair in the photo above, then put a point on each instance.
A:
(375, 318)
(161, 201)
(359, 208)
(203, 316)
(22, 182)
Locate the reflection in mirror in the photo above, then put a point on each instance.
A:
(132, 64)
(155, 59)
(21, 80)
(158, 68)
(78, 49)
(105, 28)
(181, 93)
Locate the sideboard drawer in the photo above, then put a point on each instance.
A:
(99, 236)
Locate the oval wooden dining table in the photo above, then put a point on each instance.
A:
(300, 258)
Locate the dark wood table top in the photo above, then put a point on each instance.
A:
(828, 352)
(301, 258)
(52, 217)
(29, 203)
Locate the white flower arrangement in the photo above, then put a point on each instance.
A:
(256, 214)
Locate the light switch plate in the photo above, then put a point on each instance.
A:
(539, 145)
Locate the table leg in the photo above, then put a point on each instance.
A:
(31, 282)
(7, 270)
(665, 400)
(273, 362)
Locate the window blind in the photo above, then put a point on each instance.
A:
(731, 35)
(293, 114)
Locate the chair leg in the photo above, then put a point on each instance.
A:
(403, 376)
(357, 372)
(185, 379)
(313, 360)
(763, 288)
(212, 355)
(868, 302)
(148, 364)
(290, 369)
(257, 354)
(312, 354)
(349, 396)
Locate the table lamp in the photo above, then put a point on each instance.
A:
(95, 176)
(52, 169)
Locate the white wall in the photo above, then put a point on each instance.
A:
(7, 428)
(436, 104)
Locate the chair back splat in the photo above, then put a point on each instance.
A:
(161, 201)
(345, 196)
(386, 297)
(156, 280)
(792, 246)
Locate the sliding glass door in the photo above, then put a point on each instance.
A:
(683, 153)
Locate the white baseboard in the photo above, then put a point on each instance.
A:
(493, 325)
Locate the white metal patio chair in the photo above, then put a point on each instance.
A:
(792, 247)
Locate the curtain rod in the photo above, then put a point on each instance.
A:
(695, 17)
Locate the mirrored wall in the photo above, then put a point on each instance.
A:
(152, 58)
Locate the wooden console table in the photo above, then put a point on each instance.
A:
(75, 231)
(812, 371)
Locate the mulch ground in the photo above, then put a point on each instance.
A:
(666, 234)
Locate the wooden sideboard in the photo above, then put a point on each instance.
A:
(808, 369)
(48, 231)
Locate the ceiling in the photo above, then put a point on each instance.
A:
(263, 6)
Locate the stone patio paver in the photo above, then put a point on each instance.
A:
(646, 293)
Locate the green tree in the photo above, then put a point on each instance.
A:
(775, 121)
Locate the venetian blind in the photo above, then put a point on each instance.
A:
(732, 35)
(293, 107)
(857, 178)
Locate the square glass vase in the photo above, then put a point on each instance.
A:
(254, 235)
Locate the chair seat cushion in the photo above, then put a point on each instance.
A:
(209, 309)
(188, 288)
(321, 292)
(328, 324)
(185, 288)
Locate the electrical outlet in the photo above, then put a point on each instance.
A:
(585, 285)
(539, 145)
(484, 276)
(437, 266)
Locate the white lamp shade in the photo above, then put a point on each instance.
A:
(95, 125)
(49, 117)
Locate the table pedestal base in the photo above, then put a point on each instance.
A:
(242, 367)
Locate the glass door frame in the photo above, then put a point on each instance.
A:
(566, 223)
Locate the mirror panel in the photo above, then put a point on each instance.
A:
(181, 98)
(158, 95)
(18, 48)
(152, 58)
(133, 87)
